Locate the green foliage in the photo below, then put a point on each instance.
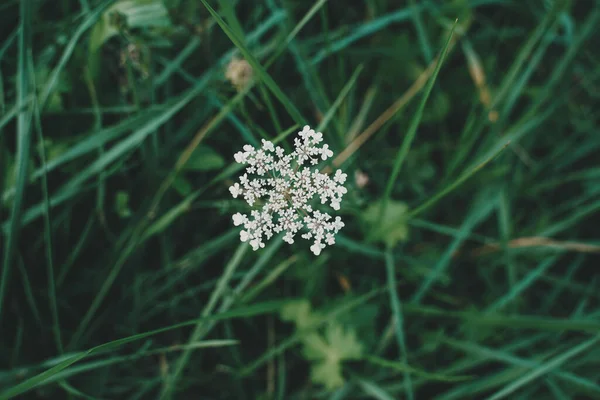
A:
(204, 158)
(122, 18)
(326, 351)
(122, 204)
(125, 15)
(467, 265)
(393, 225)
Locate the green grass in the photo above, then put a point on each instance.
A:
(122, 275)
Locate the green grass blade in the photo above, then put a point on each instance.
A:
(258, 69)
(414, 124)
(480, 210)
(373, 390)
(89, 21)
(330, 114)
(362, 30)
(544, 368)
(399, 319)
(523, 284)
(459, 181)
(23, 147)
(48, 238)
(424, 42)
(218, 292)
(40, 379)
(522, 57)
(404, 368)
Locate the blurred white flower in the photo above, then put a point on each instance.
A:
(239, 73)
(285, 189)
(361, 179)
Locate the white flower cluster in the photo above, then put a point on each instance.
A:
(285, 188)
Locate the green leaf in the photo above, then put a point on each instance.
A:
(204, 158)
(328, 353)
(328, 373)
(393, 227)
(182, 186)
(343, 343)
(122, 204)
(325, 351)
(300, 313)
(439, 108)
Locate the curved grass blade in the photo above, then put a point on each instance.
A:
(23, 147)
(544, 368)
(397, 312)
(42, 378)
(414, 124)
(260, 71)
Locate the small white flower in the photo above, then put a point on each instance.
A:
(325, 152)
(268, 145)
(338, 224)
(239, 219)
(330, 239)
(240, 157)
(289, 237)
(318, 138)
(304, 133)
(317, 247)
(340, 177)
(256, 244)
(235, 190)
(287, 190)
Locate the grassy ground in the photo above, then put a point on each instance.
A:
(468, 266)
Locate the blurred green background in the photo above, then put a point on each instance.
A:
(123, 276)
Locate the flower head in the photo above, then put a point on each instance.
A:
(239, 73)
(286, 188)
